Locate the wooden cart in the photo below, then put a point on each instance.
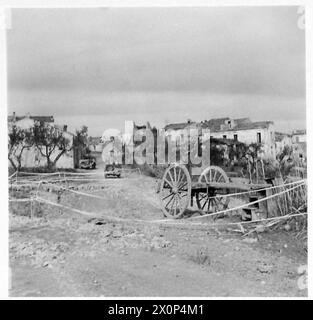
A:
(178, 189)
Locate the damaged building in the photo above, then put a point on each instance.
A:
(246, 131)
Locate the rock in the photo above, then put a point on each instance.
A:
(99, 222)
(45, 264)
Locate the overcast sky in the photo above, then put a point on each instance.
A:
(99, 67)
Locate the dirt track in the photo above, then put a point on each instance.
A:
(67, 254)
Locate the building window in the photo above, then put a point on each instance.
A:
(258, 137)
(224, 137)
(236, 137)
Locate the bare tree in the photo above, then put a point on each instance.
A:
(19, 140)
(51, 142)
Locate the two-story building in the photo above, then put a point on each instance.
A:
(246, 131)
(243, 130)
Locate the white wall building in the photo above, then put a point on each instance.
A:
(299, 136)
(246, 131)
(31, 156)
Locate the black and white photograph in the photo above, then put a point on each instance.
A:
(156, 151)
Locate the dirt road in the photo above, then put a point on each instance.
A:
(67, 254)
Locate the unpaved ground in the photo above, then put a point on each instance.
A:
(62, 253)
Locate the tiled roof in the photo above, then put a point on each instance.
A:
(220, 124)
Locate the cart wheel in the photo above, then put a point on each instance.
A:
(211, 201)
(213, 174)
(175, 191)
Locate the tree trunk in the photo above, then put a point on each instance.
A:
(58, 157)
(19, 162)
(49, 163)
(13, 164)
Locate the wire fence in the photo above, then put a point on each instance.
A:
(284, 196)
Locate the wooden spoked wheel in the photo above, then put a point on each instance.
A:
(212, 200)
(175, 191)
(213, 174)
